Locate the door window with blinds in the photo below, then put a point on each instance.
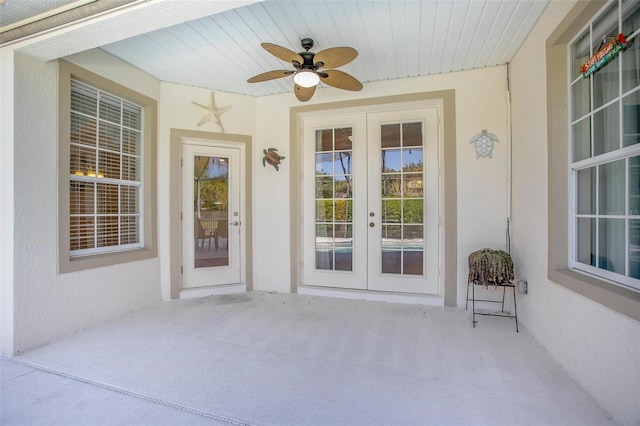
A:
(105, 172)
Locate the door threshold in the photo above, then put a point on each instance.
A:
(380, 296)
(214, 290)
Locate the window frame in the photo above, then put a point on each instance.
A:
(596, 160)
(147, 247)
(617, 298)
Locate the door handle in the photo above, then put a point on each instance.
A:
(371, 224)
(236, 223)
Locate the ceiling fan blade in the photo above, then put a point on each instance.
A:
(304, 93)
(282, 53)
(340, 79)
(269, 75)
(335, 56)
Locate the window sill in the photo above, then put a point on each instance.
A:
(106, 259)
(622, 300)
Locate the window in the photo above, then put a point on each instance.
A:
(107, 163)
(105, 172)
(605, 150)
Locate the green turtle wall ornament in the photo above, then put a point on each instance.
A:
(484, 144)
(272, 157)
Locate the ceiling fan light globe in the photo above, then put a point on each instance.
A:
(306, 78)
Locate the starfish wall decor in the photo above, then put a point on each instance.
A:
(211, 112)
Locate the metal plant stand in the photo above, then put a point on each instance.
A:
(491, 268)
(502, 313)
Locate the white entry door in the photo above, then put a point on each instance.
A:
(371, 208)
(211, 215)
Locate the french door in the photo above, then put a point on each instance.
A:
(371, 206)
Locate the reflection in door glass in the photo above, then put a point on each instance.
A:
(334, 199)
(210, 209)
(402, 203)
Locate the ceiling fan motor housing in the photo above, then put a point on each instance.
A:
(307, 43)
(308, 60)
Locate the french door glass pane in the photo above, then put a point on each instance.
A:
(413, 185)
(611, 188)
(412, 210)
(581, 139)
(391, 160)
(324, 140)
(631, 117)
(343, 139)
(324, 187)
(611, 245)
(324, 246)
(413, 245)
(391, 185)
(402, 198)
(334, 199)
(324, 163)
(391, 249)
(412, 134)
(390, 135)
(210, 211)
(606, 129)
(343, 187)
(343, 240)
(391, 211)
(412, 160)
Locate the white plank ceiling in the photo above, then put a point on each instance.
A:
(395, 39)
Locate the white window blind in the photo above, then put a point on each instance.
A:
(105, 172)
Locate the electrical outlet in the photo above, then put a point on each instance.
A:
(523, 287)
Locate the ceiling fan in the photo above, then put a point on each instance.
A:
(310, 68)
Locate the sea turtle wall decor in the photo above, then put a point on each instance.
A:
(484, 144)
(271, 157)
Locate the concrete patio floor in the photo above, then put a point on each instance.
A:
(285, 359)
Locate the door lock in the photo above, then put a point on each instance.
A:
(371, 224)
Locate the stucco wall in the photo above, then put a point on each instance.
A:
(7, 204)
(600, 348)
(48, 305)
(177, 112)
(480, 104)
(482, 183)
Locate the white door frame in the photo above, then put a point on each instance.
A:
(241, 255)
(428, 116)
(307, 174)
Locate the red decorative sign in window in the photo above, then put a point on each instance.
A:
(603, 56)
